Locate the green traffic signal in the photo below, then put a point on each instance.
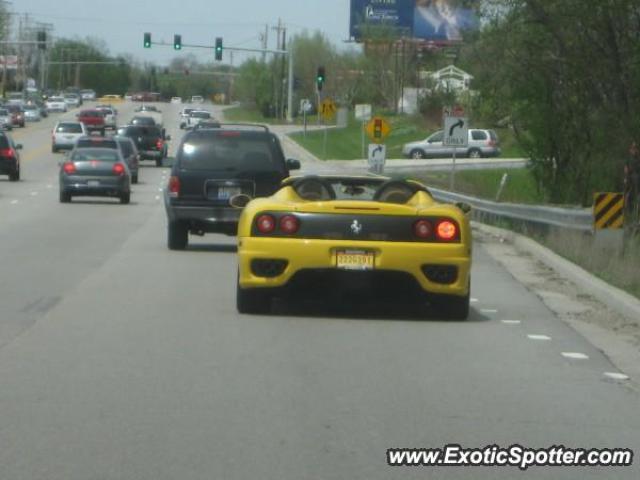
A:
(320, 78)
(218, 48)
(147, 40)
(177, 42)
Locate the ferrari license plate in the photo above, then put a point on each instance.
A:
(225, 193)
(355, 260)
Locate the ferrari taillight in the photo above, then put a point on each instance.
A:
(266, 223)
(446, 230)
(423, 229)
(289, 224)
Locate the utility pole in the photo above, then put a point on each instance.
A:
(290, 85)
(282, 72)
(279, 29)
(265, 42)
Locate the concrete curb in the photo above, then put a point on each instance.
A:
(616, 299)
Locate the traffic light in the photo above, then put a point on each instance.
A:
(218, 48)
(177, 42)
(320, 78)
(42, 40)
(147, 40)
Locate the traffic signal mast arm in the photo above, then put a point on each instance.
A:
(212, 47)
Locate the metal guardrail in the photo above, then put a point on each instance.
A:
(576, 219)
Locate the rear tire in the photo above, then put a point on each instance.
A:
(474, 153)
(15, 176)
(177, 236)
(125, 198)
(256, 301)
(453, 307)
(417, 154)
(64, 197)
(54, 149)
(134, 178)
(158, 162)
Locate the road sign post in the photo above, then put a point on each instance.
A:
(608, 221)
(456, 135)
(327, 111)
(377, 158)
(363, 113)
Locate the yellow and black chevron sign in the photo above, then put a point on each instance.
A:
(608, 210)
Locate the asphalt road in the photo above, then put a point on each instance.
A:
(122, 360)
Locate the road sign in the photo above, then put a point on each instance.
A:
(378, 129)
(608, 211)
(328, 109)
(363, 112)
(456, 131)
(455, 111)
(377, 157)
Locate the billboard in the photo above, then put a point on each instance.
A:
(431, 20)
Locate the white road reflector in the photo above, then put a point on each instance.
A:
(474, 300)
(511, 322)
(539, 337)
(575, 356)
(14, 202)
(616, 376)
(488, 310)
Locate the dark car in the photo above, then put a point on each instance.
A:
(95, 172)
(149, 140)
(9, 157)
(143, 121)
(17, 115)
(212, 166)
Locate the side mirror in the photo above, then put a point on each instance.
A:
(19, 146)
(465, 207)
(168, 162)
(239, 201)
(293, 164)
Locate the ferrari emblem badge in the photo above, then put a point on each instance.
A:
(356, 227)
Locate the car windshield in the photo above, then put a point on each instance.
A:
(69, 128)
(230, 151)
(100, 154)
(200, 114)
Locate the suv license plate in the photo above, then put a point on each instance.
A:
(355, 260)
(225, 193)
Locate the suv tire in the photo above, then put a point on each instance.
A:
(474, 153)
(125, 198)
(417, 154)
(177, 236)
(15, 176)
(64, 197)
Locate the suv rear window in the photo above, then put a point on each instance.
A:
(69, 128)
(200, 114)
(139, 131)
(230, 151)
(96, 143)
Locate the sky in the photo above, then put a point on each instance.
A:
(121, 23)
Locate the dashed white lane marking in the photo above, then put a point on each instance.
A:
(14, 202)
(575, 356)
(616, 376)
(489, 310)
(49, 186)
(157, 197)
(159, 189)
(474, 300)
(511, 322)
(539, 337)
(33, 194)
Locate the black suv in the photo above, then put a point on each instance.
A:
(9, 157)
(213, 165)
(150, 141)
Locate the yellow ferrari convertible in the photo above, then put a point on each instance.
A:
(373, 235)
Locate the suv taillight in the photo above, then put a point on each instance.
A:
(7, 152)
(174, 187)
(159, 144)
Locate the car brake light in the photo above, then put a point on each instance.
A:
(491, 143)
(174, 187)
(69, 168)
(266, 223)
(118, 169)
(423, 229)
(289, 224)
(159, 144)
(7, 152)
(446, 230)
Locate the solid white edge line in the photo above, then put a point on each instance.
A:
(474, 300)
(511, 322)
(575, 356)
(489, 310)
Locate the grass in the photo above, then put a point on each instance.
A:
(520, 186)
(620, 270)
